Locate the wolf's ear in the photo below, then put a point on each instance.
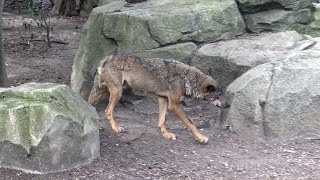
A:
(210, 88)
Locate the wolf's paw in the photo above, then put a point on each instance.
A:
(169, 135)
(118, 129)
(202, 139)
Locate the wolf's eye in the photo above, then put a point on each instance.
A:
(210, 88)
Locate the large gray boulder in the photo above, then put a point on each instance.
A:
(277, 15)
(46, 128)
(279, 100)
(279, 20)
(151, 27)
(228, 60)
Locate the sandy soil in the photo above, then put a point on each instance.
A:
(141, 152)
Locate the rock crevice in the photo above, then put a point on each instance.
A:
(267, 131)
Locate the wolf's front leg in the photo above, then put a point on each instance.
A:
(175, 107)
(163, 105)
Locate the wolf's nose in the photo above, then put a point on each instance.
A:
(226, 106)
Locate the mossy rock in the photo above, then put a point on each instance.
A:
(46, 128)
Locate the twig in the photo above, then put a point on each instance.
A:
(134, 139)
(59, 42)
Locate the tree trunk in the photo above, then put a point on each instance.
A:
(86, 6)
(74, 7)
(3, 74)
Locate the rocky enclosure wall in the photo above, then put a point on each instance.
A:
(178, 29)
(225, 38)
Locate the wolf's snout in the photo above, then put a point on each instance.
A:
(93, 100)
(220, 103)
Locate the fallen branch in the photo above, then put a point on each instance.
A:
(24, 43)
(52, 41)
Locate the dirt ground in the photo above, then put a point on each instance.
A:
(141, 152)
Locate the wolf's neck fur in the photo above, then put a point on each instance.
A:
(191, 77)
(192, 84)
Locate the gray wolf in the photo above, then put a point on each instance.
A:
(168, 79)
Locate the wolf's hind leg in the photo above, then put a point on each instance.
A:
(163, 105)
(115, 95)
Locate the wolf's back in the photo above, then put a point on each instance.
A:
(162, 69)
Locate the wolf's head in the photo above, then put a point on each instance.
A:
(96, 94)
(97, 90)
(211, 90)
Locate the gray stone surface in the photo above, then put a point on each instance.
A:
(181, 52)
(252, 6)
(278, 100)
(46, 128)
(150, 28)
(227, 60)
